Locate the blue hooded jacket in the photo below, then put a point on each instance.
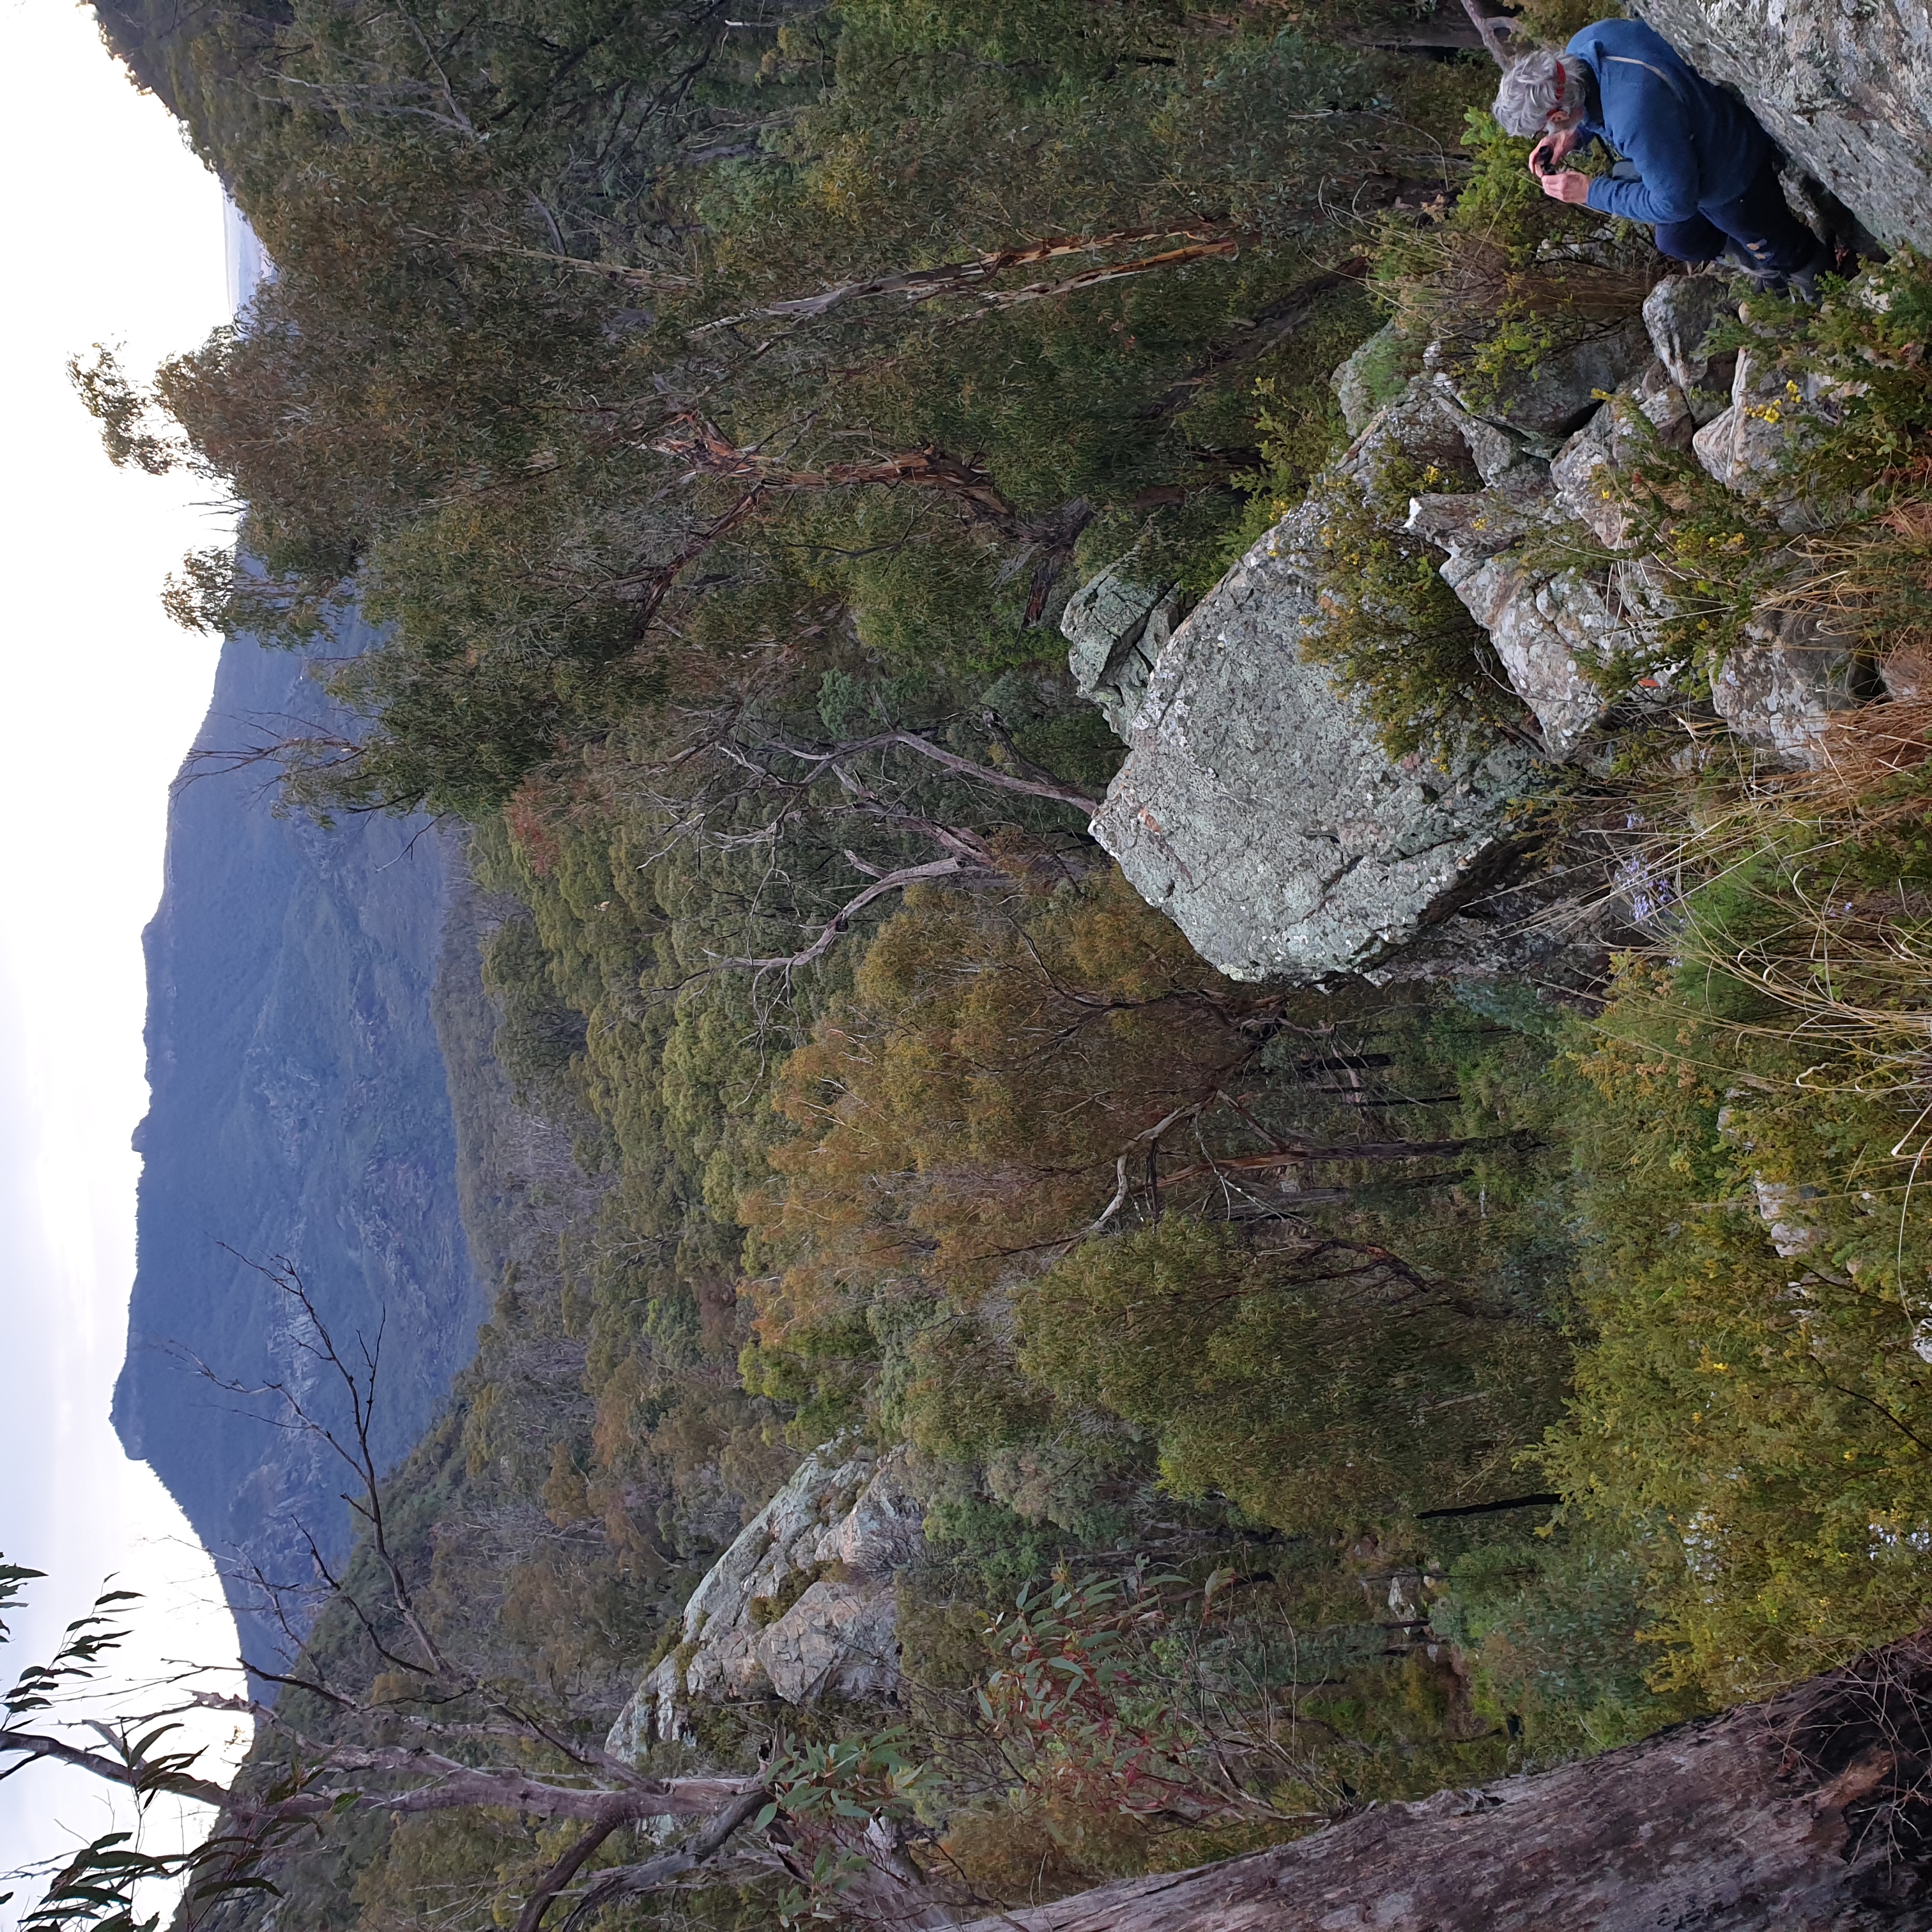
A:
(1692, 145)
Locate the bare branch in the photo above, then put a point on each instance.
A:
(1149, 1136)
(561, 1873)
(627, 1881)
(1492, 29)
(913, 741)
(919, 285)
(906, 875)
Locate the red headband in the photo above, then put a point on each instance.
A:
(1559, 87)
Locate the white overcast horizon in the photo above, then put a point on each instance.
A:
(118, 237)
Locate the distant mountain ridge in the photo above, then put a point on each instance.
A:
(298, 1110)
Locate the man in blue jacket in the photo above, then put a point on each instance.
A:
(1696, 164)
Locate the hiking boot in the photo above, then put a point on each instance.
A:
(1801, 285)
(1741, 261)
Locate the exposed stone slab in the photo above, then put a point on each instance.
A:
(1773, 411)
(1555, 396)
(1544, 626)
(1258, 808)
(1680, 314)
(1846, 90)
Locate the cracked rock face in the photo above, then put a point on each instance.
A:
(1543, 625)
(1116, 628)
(1844, 89)
(1258, 810)
(1771, 411)
(801, 1606)
(1680, 314)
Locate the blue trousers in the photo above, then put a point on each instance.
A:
(1758, 219)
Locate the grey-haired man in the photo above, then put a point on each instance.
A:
(1700, 169)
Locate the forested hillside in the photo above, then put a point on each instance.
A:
(1172, 1412)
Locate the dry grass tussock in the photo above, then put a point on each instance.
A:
(1810, 889)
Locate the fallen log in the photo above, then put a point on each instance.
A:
(1811, 1811)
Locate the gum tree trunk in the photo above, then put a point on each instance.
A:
(1812, 1811)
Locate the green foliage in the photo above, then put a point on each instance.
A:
(1554, 1628)
(578, 433)
(1753, 1421)
(1394, 634)
(1552, 23)
(1298, 420)
(788, 417)
(1507, 277)
(1308, 1380)
(98, 1885)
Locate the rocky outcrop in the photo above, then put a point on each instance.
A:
(1554, 395)
(800, 1607)
(1846, 90)
(1255, 806)
(1772, 410)
(1779, 693)
(1258, 809)
(1679, 314)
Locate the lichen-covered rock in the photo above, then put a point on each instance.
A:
(1680, 314)
(1544, 626)
(1555, 394)
(1258, 808)
(1556, 619)
(1543, 620)
(1772, 411)
(1582, 474)
(1117, 627)
(1429, 432)
(1780, 692)
(802, 1606)
(1481, 522)
(1845, 89)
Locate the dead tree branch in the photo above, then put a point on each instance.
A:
(889, 882)
(1492, 28)
(966, 277)
(629, 1881)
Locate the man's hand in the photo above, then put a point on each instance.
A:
(1553, 151)
(1574, 188)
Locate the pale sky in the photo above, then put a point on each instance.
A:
(117, 236)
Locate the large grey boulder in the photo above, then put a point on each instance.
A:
(801, 1606)
(1844, 86)
(1258, 808)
